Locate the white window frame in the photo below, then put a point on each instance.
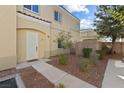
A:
(78, 26)
(59, 16)
(32, 9)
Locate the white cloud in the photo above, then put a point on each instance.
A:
(76, 8)
(86, 24)
(89, 17)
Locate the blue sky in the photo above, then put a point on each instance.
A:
(84, 12)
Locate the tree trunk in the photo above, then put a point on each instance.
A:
(113, 43)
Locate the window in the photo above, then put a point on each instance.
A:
(59, 44)
(34, 8)
(77, 26)
(27, 6)
(57, 16)
(60, 17)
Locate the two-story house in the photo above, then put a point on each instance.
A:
(28, 32)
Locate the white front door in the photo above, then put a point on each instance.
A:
(32, 45)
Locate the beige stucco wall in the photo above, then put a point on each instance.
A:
(21, 44)
(68, 23)
(47, 12)
(54, 46)
(88, 34)
(75, 36)
(87, 43)
(25, 24)
(14, 26)
(7, 37)
(42, 45)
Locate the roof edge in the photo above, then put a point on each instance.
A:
(38, 18)
(69, 12)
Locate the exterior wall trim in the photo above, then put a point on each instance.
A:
(19, 13)
(31, 29)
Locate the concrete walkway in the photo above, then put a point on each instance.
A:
(57, 76)
(113, 78)
(113, 74)
(28, 64)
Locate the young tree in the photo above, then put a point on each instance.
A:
(64, 41)
(106, 24)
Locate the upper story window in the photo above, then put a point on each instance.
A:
(34, 8)
(57, 16)
(78, 26)
(60, 44)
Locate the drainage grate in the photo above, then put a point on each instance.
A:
(10, 83)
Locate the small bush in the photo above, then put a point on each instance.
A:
(87, 52)
(63, 59)
(98, 54)
(61, 85)
(103, 52)
(84, 64)
(93, 60)
(106, 49)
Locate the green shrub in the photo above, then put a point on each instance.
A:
(61, 85)
(93, 60)
(87, 52)
(97, 55)
(106, 49)
(63, 59)
(84, 64)
(103, 52)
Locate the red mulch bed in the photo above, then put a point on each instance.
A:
(93, 76)
(34, 79)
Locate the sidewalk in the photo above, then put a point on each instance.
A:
(57, 76)
(111, 79)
